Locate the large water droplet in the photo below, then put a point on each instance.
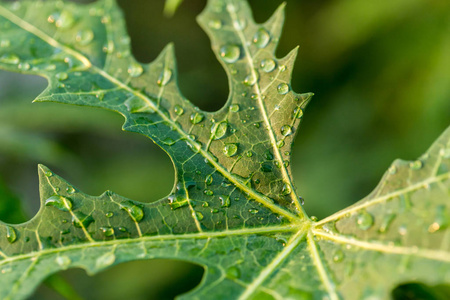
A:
(64, 20)
(11, 234)
(261, 38)
(286, 130)
(283, 88)
(230, 149)
(268, 65)
(196, 118)
(364, 220)
(230, 53)
(84, 37)
(105, 260)
(138, 105)
(234, 108)
(165, 77)
(135, 70)
(61, 76)
(136, 212)
(219, 130)
(252, 79)
(107, 231)
(59, 202)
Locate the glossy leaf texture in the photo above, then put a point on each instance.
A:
(234, 209)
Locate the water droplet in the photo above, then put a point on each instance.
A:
(445, 153)
(225, 200)
(219, 130)
(63, 261)
(197, 118)
(230, 53)
(199, 215)
(178, 110)
(107, 231)
(283, 88)
(252, 79)
(135, 70)
(24, 66)
(364, 220)
(138, 105)
(10, 59)
(5, 43)
(402, 230)
(230, 149)
(416, 165)
(105, 260)
(215, 24)
(168, 141)
(70, 190)
(313, 218)
(280, 143)
(283, 68)
(261, 38)
(11, 234)
(249, 154)
(298, 113)
(233, 272)
(80, 220)
(59, 202)
(386, 222)
(266, 167)
(338, 256)
(209, 180)
(208, 192)
(253, 211)
(287, 189)
(109, 214)
(165, 77)
(234, 108)
(268, 65)
(136, 212)
(268, 155)
(64, 20)
(62, 76)
(84, 37)
(286, 130)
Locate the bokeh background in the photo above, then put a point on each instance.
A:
(380, 71)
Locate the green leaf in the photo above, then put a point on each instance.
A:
(171, 7)
(233, 209)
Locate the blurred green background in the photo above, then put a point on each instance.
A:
(380, 71)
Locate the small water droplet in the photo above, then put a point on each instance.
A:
(109, 214)
(199, 215)
(135, 70)
(107, 231)
(219, 130)
(364, 220)
(225, 200)
(11, 234)
(249, 154)
(268, 155)
(253, 211)
(168, 141)
(233, 272)
(63, 261)
(196, 118)
(266, 167)
(268, 65)
(416, 165)
(298, 113)
(59, 202)
(84, 37)
(165, 77)
(70, 189)
(138, 105)
(386, 222)
(252, 78)
(209, 180)
(230, 149)
(215, 24)
(178, 110)
(287, 189)
(136, 212)
(338, 256)
(286, 130)
(261, 38)
(283, 88)
(402, 230)
(208, 192)
(105, 260)
(313, 218)
(230, 53)
(280, 143)
(5, 43)
(234, 108)
(64, 20)
(61, 76)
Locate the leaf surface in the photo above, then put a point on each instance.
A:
(233, 209)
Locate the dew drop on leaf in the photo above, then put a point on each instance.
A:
(261, 38)
(109, 214)
(283, 88)
(215, 24)
(287, 189)
(64, 20)
(364, 220)
(233, 272)
(208, 192)
(135, 70)
(196, 118)
(225, 200)
(105, 260)
(280, 144)
(136, 212)
(386, 222)
(298, 113)
(63, 261)
(251, 79)
(253, 211)
(5, 43)
(84, 37)
(168, 141)
(230, 53)
(165, 77)
(59, 202)
(234, 108)
(230, 149)
(107, 231)
(199, 215)
(416, 165)
(138, 105)
(268, 65)
(61, 76)
(219, 130)
(11, 234)
(338, 256)
(178, 110)
(266, 167)
(286, 130)
(209, 180)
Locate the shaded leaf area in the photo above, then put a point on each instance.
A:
(234, 209)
